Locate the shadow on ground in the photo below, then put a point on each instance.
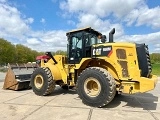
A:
(59, 91)
(146, 101)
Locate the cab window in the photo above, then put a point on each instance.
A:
(76, 43)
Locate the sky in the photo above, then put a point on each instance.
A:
(42, 24)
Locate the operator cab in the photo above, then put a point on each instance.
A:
(80, 43)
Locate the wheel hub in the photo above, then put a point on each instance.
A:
(92, 87)
(38, 81)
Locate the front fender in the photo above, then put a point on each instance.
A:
(54, 70)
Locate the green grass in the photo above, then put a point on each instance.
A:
(156, 69)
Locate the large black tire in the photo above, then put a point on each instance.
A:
(42, 81)
(96, 87)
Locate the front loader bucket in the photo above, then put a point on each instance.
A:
(18, 76)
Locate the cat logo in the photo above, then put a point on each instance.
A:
(97, 51)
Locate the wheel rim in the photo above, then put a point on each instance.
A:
(92, 87)
(38, 81)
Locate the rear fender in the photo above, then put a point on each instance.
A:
(112, 70)
(108, 65)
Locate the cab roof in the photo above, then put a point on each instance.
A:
(87, 29)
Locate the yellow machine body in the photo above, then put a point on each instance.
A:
(122, 66)
(97, 69)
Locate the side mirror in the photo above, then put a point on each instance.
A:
(103, 39)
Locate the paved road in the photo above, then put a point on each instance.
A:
(66, 105)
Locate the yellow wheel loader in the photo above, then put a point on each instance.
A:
(98, 69)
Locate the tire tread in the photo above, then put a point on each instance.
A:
(109, 79)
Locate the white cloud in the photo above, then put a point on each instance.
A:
(88, 13)
(151, 38)
(144, 16)
(33, 41)
(97, 23)
(16, 29)
(11, 23)
(129, 11)
(48, 41)
(29, 20)
(149, 17)
(157, 48)
(132, 17)
(55, 37)
(101, 8)
(98, 15)
(43, 20)
(157, 45)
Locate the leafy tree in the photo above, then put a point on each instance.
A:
(155, 57)
(7, 52)
(25, 54)
(10, 53)
(59, 52)
(21, 53)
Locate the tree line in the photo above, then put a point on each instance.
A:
(155, 58)
(10, 53)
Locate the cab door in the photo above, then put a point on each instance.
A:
(75, 50)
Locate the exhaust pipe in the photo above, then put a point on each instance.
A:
(111, 35)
